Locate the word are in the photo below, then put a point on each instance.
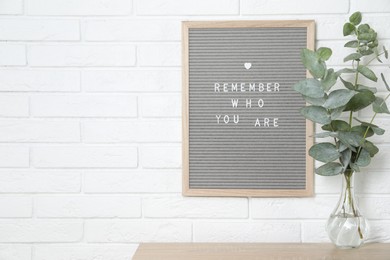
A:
(266, 122)
(250, 87)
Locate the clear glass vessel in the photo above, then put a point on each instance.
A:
(346, 227)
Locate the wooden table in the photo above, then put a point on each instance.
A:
(256, 251)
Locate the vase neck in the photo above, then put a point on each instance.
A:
(347, 204)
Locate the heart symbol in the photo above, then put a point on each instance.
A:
(247, 65)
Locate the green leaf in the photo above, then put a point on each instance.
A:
(360, 101)
(350, 138)
(347, 84)
(330, 80)
(361, 130)
(345, 158)
(379, 106)
(363, 28)
(335, 113)
(384, 81)
(354, 167)
(325, 134)
(353, 56)
(355, 18)
(330, 169)
(316, 114)
(345, 70)
(338, 98)
(324, 53)
(386, 52)
(377, 55)
(366, 52)
(336, 125)
(366, 72)
(312, 61)
(310, 88)
(315, 101)
(364, 158)
(348, 29)
(377, 130)
(352, 44)
(324, 152)
(362, 88)
(367, 36)
(370, 147)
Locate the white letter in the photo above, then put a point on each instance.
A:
(218, 117)
(269, 87)
(266, 122)
(234, 102)
(257, 122)
(248, 103)
(242, 87)
(225, 87)
(261, 102)
(276, 122)
(261, 87)
(234, 87)
(252, 86)
(226, 119)
(276, 86)
(236, 120)
(216, 87)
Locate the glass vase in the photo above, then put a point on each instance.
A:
(346, 227)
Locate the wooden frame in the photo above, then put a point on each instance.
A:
(187, 191)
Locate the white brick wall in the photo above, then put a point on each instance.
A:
(90, 130)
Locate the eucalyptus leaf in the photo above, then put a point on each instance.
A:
(325, 134)
(345, 70)
(364, 158)
(330, 80)
(360, 101)
(363, 28)
(310, 88)
(384, 81)
(353, 56)
(335, 113)
(377, 130)
(324, 53)
(352, 44)
(386, 52)
(379, 106)
(336, 125)
(362, 130)
(377, 55)
(370, 147)
(312, 61)
(366, 52)
(316, 114)
(338, 98)
(330, 169)
(324, 152)
(345, 157)
(315, 101)
(347, 84)
(354, 167)
(350, 138)
(367, 36)
(362, 88)
(348, 29)
(355, 18)
(366, 72)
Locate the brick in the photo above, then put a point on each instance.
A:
(28, 231)
(27, 130)
(84, 251)
(23, 29)
(84, 156)
(380, 160)
(11, 7)
(17, 80)
(126, 231)
(146, 131)
(374, 6)
(156, 157)
(179, 207)
(132, 182)
(187, 7)
(15, 252)
(90, 105)
(15, 207)
(12, 55)
(81, 55)
(293, 208)
(32, 181)
(160, 106)
(314, 232)
(159, 55)
(267, 231)
(87, 207)
(14, 105)
(375, 207)
(14, 156)
(131, 80)
(79, 7)
(255, 7)
(129, 30)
